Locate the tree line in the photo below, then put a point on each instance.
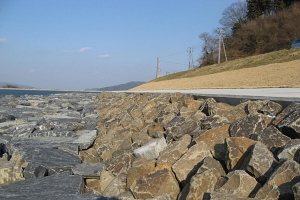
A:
(253, 27)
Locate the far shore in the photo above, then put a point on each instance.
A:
(41, 89)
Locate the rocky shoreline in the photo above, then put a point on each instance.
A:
(147, 146)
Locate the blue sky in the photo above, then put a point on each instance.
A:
(80, 44)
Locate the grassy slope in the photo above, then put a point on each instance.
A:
(251, 61)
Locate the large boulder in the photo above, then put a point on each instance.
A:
(174, 151)
(215, 140)
(290, 125)
(248, 126)
(189, 163)
(291, 150)
(151, 150)
(236, 151)
(260, 162)
(239, 183)
(283, 178)
(155, 184)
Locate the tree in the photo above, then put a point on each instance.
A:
(209, 48)
(234, 16)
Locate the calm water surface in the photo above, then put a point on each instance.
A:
(32, 92)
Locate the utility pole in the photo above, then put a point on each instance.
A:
(191, 60)
(221, 41)
(157, 69)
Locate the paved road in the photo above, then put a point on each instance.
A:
(275, 94)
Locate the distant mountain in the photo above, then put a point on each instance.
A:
(125, 86)
(20, 86)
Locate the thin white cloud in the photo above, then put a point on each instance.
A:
(3, 40)
(104, 56)
(78, 50)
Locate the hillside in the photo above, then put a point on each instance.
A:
(125, 86)
(275, 69)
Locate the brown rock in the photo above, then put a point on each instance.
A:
(192, 104)
(285, 112)
(119, 164)
(93, 184)
(222, 196)
(284, 177)
(260, 162)
(291, 150)
(239, 183)
(178, 127)
(165, 117)
(189, 163)
(248, 126)
(156, 130)
(10, 173)
(272, 138)
(155, 184)
(213, 121)
(268, 191)
(211, 163)
(139, 168)
(290, 125)
(105, 179)
(296, 190)
(237, 112)
(185, 112)
(215, 140)
(266, 107)
(116, 187)
(201, 183)
(236, 148)
(174, 151)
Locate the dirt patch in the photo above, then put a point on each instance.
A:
(268, 76)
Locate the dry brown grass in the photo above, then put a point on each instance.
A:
(273, 75)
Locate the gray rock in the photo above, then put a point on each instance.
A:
(59, 184)
(248, 126)
(290, 126)
(86, 138)
(151, 150)
(89, 170)
(291, 150)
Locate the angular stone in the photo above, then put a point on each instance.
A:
(174, 151)
(291, 150)
(290, 125)
(272, 138)
(119, 164)
(284, 177)
(86, 138)
(116, 187)
(151, 150)
(156, 130)
(222, 196)
(260, 162)
(248, 126)
(59, 184)
(213, 121)
(296, 190)
(211, 163)
(139, 168)
(192, 104)
(105, 179)
(178, 127)
(239, 183)
(155, 184)
(201, 183)
(237, 112)
(10, 173)
(89, 170)
(34, 171)
(215, 140)
(185, 112)
(286, 112)
(189, 163)
(268, 191)
(266, 107)
(54, 160)
(236, 151)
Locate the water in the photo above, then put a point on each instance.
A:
(33, 92)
